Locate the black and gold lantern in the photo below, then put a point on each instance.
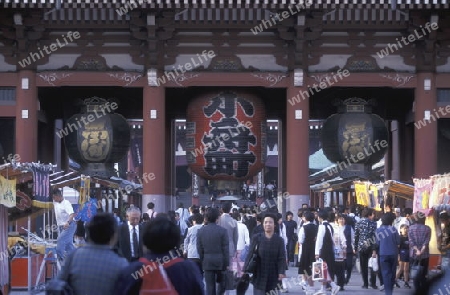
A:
(226, 135)
(97, 138)
(354, 139)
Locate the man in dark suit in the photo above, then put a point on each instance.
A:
(129, 243)
(213, 249)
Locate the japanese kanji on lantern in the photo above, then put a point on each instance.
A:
(226, 135)
(354, 138)
(99, 137)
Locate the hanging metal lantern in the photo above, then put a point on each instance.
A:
(226, 135)
(99, 137)
(354, 139)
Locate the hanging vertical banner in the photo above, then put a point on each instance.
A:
(85, 187)
(440, 194)
(136, 150)
(7, 192)
(422, 192)
(41, 186)
(362, 193)
(374, 197)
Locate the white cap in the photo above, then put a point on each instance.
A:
(397, 210)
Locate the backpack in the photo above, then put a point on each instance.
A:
(156, 281)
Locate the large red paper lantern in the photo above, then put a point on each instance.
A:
(226, 135)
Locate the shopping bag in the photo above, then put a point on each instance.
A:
(244, 253)
(317, 270)
(358, 265)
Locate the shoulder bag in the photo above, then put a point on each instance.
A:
(251, 265)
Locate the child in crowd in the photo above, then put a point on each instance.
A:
(373, 269)
(403, 267)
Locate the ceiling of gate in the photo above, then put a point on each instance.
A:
(402, 4)
(264, 36)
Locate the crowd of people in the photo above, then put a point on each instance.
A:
(197, 247)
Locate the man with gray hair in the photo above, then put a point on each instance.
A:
(129, 244)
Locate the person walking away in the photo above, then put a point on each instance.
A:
(325, 250)
(271, 265)
(190, 242)
(365, 242)
(64, 215)
(183, 213)
(349, 234)
(243, 241)
(306, 239)
(419, 236)
(230, 225)
(161, 237)
(95, 268)
(388, 241)
(291, 233)
(213, 248)
(151, 210)
(403, 267)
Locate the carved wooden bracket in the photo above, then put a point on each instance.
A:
(271, 78)
(52, 77)
(400, 79)
(126, 77)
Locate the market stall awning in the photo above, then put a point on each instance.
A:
(399, 189)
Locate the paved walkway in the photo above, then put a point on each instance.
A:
(354, 287)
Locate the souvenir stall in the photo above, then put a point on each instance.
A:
(22, 190)
(384, 195)
(432, 198)
(368, 195)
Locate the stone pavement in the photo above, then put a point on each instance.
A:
(354, 287)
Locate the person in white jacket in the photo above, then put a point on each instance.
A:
(190, 242)
(340, 250)
(243, 240)
(325, 248)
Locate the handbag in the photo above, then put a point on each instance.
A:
(252, 262)
(358, 264)
(243, 284)
(61, 286)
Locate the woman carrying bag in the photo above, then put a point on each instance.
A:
(270, 266)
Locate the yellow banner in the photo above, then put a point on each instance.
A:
(362, 194)
(373, 189)
(7, 192)
(84, 189)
